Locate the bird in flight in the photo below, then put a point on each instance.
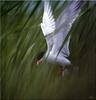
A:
(55, 32)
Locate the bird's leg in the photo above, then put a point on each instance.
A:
(61, 71)
(67, 70)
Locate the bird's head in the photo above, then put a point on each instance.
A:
(39, 57)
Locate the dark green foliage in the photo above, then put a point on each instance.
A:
(21, 39)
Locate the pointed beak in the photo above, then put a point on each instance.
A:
(39, 62)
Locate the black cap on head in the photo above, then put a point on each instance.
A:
(40, 55)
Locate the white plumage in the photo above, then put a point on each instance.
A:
(55, 32)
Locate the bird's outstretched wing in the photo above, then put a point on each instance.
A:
(63, 26)
(48, 25)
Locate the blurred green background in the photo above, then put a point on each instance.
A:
(21, 39)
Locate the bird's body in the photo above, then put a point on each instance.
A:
(55, 32)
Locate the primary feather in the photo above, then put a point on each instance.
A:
(48, 22)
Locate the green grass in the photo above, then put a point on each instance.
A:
(21, 39)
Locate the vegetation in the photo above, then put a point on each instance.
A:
(21, 39)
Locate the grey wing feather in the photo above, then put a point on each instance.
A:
(63, 26)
